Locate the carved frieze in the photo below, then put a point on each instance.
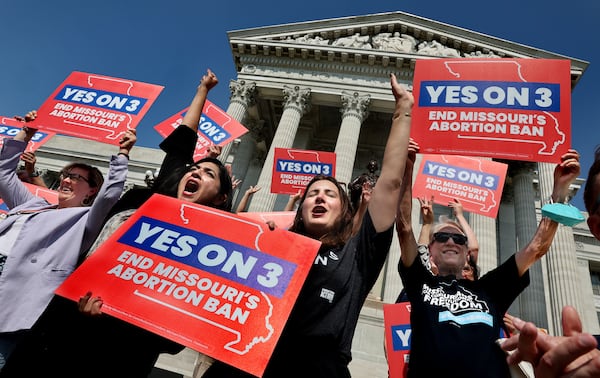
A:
(397, 42)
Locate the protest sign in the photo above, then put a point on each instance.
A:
(476, 182)
(396, 320)
(9, 127)
(216, 127)
(96, 107)
(208, 279)
(48, 194)
(518, 109)
(282, 219)
(293, 169)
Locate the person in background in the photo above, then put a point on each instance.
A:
(65, 341)
(41, 243)
(179, 148)
(293, 200)
(29, 173)
(472, 243)
(470, 270)
(360, 190)
(244, 201)
(317, 338)
(575, 354)
(452, 317)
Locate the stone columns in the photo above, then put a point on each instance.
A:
(246, 152)
(485, 231)
(354, 112)
(532, 300)
(242, 96)
(296, 104)
(561, 260)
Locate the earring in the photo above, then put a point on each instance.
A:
(87, 201)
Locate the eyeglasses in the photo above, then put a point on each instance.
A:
(72, 176)
(442, 237)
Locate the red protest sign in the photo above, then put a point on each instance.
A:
(96, 107)
(293, 169)
(518, 109)
(396, 320)
(215, 282)
(9, 127)
(48, 194)
(282, 219)
(477, 183)
(216, 127)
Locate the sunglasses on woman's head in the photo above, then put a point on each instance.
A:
(442, 237)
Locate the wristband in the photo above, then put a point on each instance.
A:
(124, 154)
(396, 115)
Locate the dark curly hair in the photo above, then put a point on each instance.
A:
(168, 185)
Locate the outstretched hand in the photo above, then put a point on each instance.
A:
(214, 151)
(252, 189)
(565, 173)
(572, 355)
(427, 209)
(456, 206)
(128, 140)
(413, 148)
(404, 98)
(29, 159)
(209, 81)
(30, 116)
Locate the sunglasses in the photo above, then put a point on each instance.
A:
(442, 237)
(72, 176)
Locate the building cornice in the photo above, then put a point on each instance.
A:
(315, 41)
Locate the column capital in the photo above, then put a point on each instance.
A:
(355, 105)
(242, 92)
(297, 98)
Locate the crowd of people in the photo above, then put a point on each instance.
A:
(42, 243)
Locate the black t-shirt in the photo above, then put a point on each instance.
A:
(455, 323)
(317, 338)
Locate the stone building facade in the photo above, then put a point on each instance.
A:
(324, 85)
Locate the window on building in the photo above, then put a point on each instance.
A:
(595, 275)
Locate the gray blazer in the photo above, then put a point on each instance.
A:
(50, 241)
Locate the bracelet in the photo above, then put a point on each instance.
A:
(396, 116)
(566, 201)
(124, 154)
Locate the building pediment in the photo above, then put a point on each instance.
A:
(393, 39)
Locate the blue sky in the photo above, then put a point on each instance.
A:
(172, 43)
